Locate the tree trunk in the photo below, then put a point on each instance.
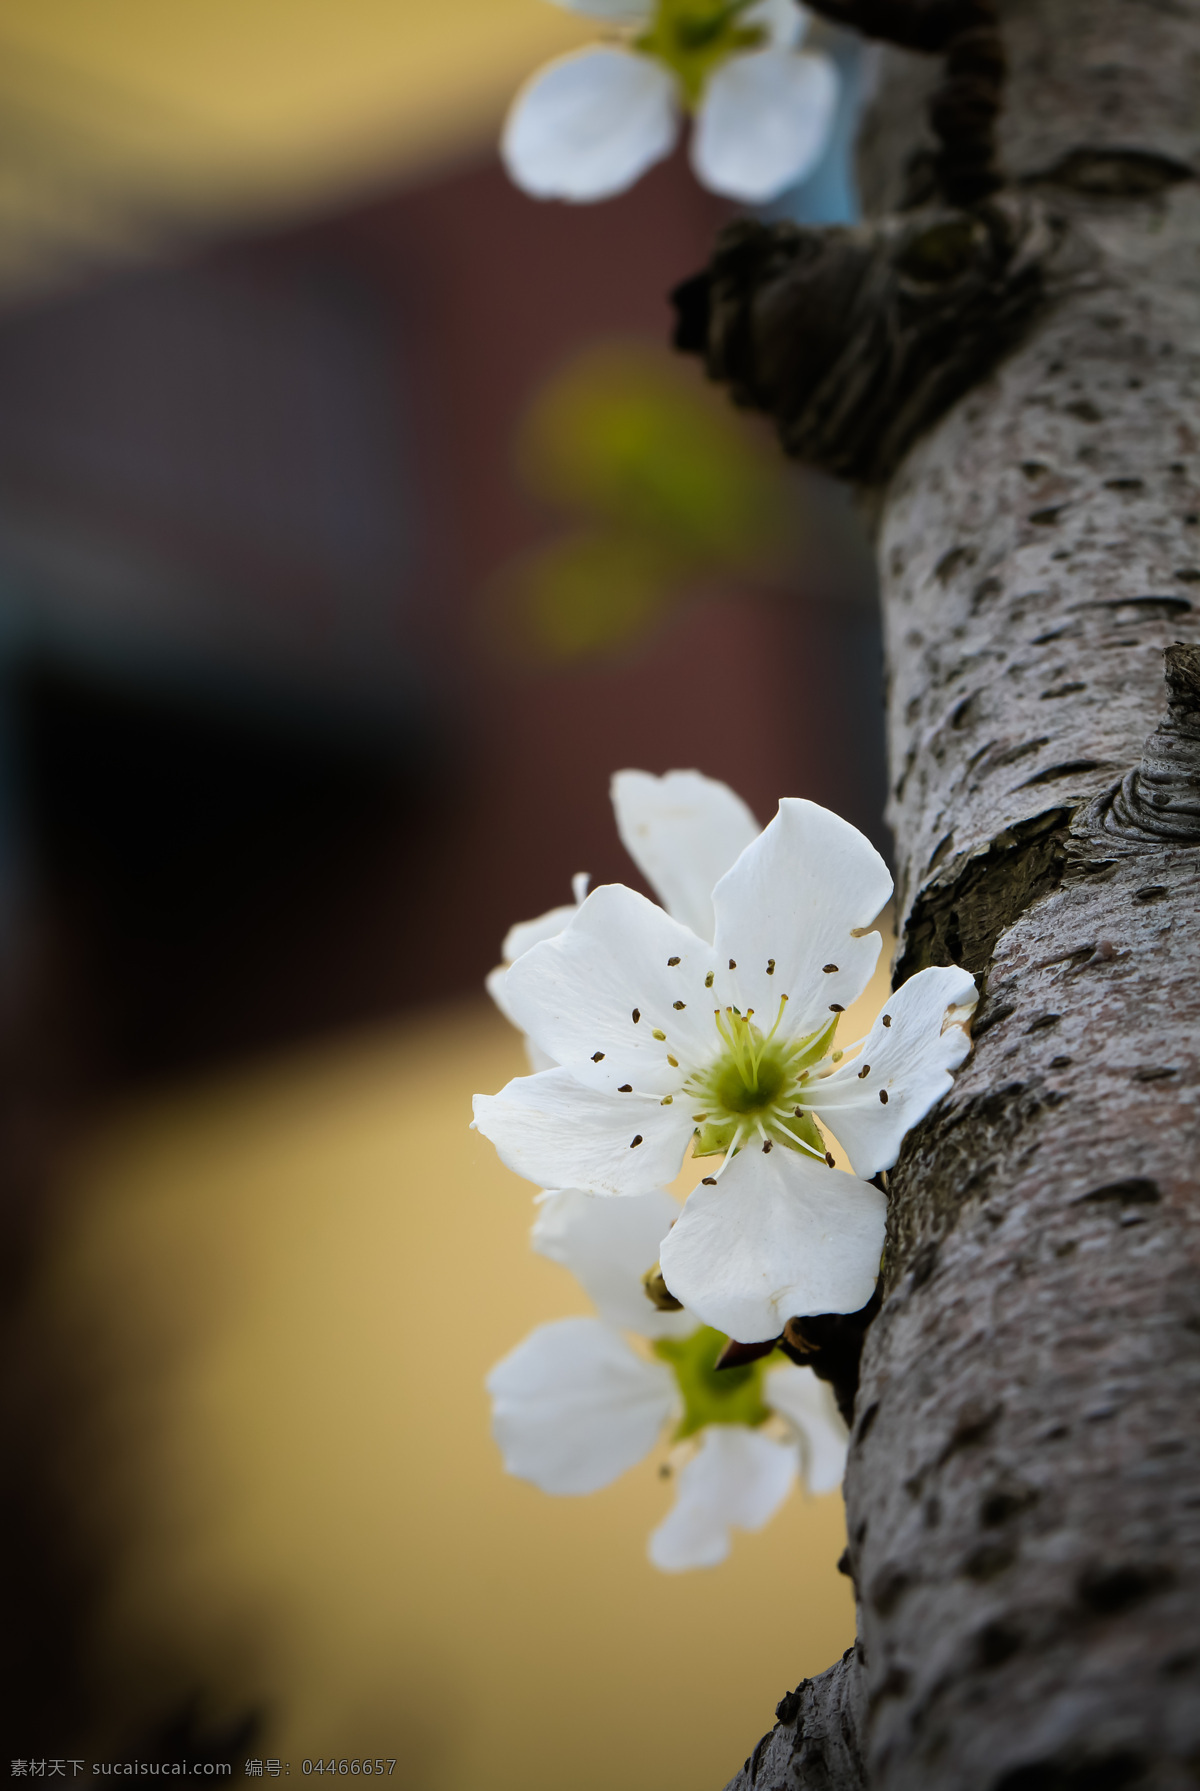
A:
(1023, 1491)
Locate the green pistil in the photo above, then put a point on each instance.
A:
(712, 1395)
(755, 1086)
(694, 37)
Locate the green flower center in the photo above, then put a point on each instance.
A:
(713, 1395)
(693, 37)
(755, 1086)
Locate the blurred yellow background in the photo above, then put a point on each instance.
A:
(125, 119)
(282, 1292)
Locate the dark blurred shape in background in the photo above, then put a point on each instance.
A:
(274, 764)
(355, 525)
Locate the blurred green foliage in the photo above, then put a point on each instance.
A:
(713, 1395)
(663, 488)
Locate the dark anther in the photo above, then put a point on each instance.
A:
(887, 1019)
(671, 963)
(883, 1096)
(658, 1293)
(835, 1007)
(865, 1071)
(634, 1142)
(597, 1057)
(708, 1181)
(766, 1146)
(829, 969)
(733, 963)
(770, 966)
(625, 1088)
(678, 1004)
(829, 1159)
(637, 1014)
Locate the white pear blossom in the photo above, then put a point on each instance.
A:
(519, 939)
(590, 123)
(683, 831)
(577, 1403)
(663, 1040)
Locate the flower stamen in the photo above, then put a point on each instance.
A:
(756, 1085)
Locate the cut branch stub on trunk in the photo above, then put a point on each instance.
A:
(857, 340)
(1159, 800)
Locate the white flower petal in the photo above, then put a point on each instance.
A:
(910, 1060)
(527, 933)
(555, 1132)
(608, 1245)
(517, 941)
(808, 1404)
(683, 831)
(795, 897)
(494, 983)
(737, 1479)
(784, 22)
(576, 995)
(778, 1236)
(588, 124)
(573, 1406)
(763, 123)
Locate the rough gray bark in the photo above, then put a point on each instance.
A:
(1023, 1492)
(817, 1739)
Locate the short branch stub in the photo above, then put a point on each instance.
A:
(856, 340)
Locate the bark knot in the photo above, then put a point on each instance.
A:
(1159, 799)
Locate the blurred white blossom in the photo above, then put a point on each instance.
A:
(588, 124)
(577, 1403)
